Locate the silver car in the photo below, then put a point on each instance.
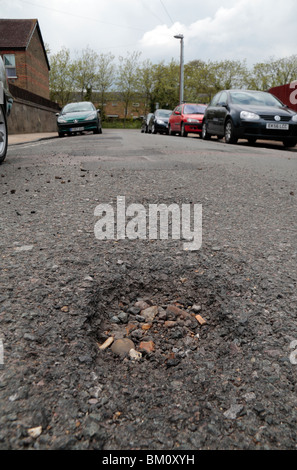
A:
(6, 101)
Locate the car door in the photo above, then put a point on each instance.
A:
(221, 113)
(212, 118)
(176, 119)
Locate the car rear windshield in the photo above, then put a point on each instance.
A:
(255, 98)
(77, 107)
(163, 113)
(194, 109)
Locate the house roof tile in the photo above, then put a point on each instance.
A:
(16, 34)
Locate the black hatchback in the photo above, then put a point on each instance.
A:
(251, 115)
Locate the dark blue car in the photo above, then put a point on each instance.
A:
(251, 115)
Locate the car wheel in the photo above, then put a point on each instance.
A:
(61, 134)
(204, 134)
(229, 133)
(183, 133)
(170, 132)
(3, 134)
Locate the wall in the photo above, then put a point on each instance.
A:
(27, 118)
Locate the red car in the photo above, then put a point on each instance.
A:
(187, 118)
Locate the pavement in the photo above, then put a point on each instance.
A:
(15, 139)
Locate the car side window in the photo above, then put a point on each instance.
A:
(223, 101)
(215, 100)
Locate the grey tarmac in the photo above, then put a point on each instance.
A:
(217, 369)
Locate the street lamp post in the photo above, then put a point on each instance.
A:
(181, 79)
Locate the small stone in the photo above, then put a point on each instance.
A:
(233, 411)
(200, 319)
(123, 317)
(149, 313)
(141, 304)
(65, 308)
(122, 346)
(140, 318)
(24, 248)
(130, 327)
(147, 346)
(134, 310)
(170, 323)
(174, 311)
(35, 432)
(135, 355)
(162, 315)
(196, 308)
(115, 319)
(93, 401)
(146, 326)
(106, 343)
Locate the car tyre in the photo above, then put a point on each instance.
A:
(3, 134)
(229, 133)
(204, 134)
(183, 133)
(170, 130)
(98, 130)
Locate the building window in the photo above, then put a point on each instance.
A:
(9, 62)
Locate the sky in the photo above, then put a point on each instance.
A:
(251, 30)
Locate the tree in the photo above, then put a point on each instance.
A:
(199, 81)
(61, 77)
(229, 74)
(85, 67)
(128, 79)
(146, 83)
(105, 76)
(166, 85)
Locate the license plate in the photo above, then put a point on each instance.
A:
(77, 129)
(272, 125)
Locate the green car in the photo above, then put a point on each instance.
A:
(6, 101)
(79, 117)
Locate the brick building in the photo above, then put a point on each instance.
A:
(24, 55)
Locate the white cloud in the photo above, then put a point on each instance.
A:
(227, 29)
(251, 29)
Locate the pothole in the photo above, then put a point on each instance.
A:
(159, 323)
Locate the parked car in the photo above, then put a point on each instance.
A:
(159, 121)
(79, 117)
(187, 118)
(251, 115)
(6, 101)
(145, 122)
